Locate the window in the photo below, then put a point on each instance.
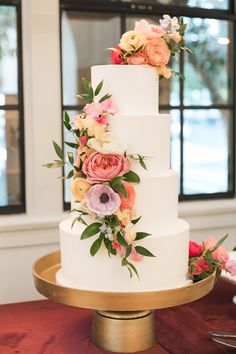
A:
(12, 198)
(202, 106)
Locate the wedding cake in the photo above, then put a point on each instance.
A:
(122, 174)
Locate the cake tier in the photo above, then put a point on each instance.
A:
(147, 136)
(156, 201)
(134, 88)
(167, 270)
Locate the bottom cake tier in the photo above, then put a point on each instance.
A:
(167, 270)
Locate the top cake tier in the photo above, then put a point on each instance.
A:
(134, 88)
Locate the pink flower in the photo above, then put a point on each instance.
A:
(77, 164)
(200, 266)
(157, 52)
(104, 167)
(148, 30)
(135, 256)
(93, 109)
(127, 203)
(121, 250)
(83, 140)
(137, 59)
(220, 254)
(109, 106)
(115, 57)
(102, 119)
(230, 266)
(194, 249)
(102, 199)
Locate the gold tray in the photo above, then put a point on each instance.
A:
(44, 271)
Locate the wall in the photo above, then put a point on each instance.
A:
(24, 238)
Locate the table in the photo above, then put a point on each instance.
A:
(45, 327)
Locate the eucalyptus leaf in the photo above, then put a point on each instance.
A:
(91, 230)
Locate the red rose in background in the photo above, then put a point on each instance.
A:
(200, 267)
(194, 249)
(115, 57)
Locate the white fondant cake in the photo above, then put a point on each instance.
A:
(134, 89)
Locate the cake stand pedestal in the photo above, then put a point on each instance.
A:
(122, 322)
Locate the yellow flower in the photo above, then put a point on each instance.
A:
(164, 71)
(130, 234)
(94, 128)
(78, 122)
(124, 216)
(131, 41)
(78, 187)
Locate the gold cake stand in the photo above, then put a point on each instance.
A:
(122, 322)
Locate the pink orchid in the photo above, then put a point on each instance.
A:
(94, 109)
(109, 106)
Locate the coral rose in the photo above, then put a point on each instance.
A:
(116, 58)
(157, 52)
(200, 266)
(78, 188)
(194, 249)
(137, 59)
(127, 203)
(220, 254)
(104, 167)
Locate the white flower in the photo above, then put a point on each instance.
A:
(170, 24)
(107, 143)
(103, 228)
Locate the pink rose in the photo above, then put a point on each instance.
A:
(135, 256)
(200, 266)
(115, 57)
(137, 59)
(220, 254)
(148, 30)
(157, 52)
(157, 31)
(230, 266)
(194, 249)
(104, 167)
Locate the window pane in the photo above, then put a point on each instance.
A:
(209, 71)
(207, 136)
(8, 56)
(169, 89)
(206, 4)
(85, 37)
(10, 174)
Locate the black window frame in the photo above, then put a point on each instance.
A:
(144, 8)
(21, 207)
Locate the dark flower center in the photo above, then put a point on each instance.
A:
(104, 198)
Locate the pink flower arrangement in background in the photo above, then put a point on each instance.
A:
(209, 257)
(151, 44)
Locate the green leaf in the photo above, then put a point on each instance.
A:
(135, 221)
(67, 125)
(78, 219)
(58, 150)
(131, 177)
(86, 84)
(133, 269)
(121, 240)
(128, 251)
(91, 230)
(96, 246)
(109, 247)
(104, 98)
(119, 187)
(219, 243)
(66, 117)
(143, 251)
(70, 174)
(54, 164)
(142, 163)
(141, 235)
(98, 88)
(70, 157)
(72, 145)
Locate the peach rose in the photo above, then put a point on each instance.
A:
(165, 72)
(127, 203)
(104, 167)
(176, 37)
(137, 59)
(157, 52)
(220, 254)
(78, 188)
(131, 41)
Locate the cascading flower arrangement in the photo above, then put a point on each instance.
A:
(152, 44)
(209, 257)
(103, 181)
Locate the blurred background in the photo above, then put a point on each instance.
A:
(46, 47)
